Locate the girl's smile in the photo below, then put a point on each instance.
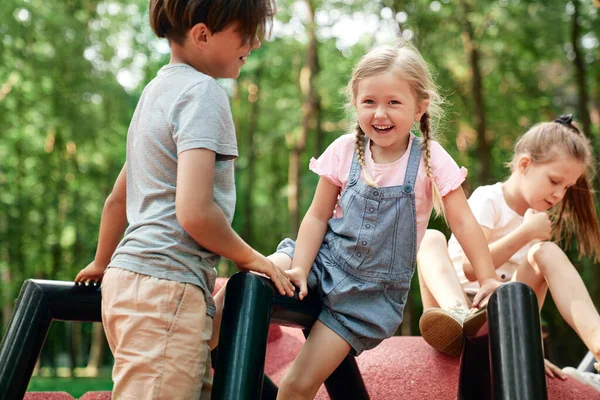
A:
(387, 109)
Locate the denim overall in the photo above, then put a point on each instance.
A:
(365, 265)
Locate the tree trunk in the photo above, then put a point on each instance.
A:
(253, 99)
(472, 52)
(74, 329)
(580, 73)
(97, 349)
(309, 107)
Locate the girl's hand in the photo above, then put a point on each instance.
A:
(298, 277)
(263, 265)
(485, 291)
(553, 371)
(538, 224)
(91, 273)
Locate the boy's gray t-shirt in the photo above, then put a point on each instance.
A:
(180, 109)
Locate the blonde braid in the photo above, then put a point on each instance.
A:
(359, 147)
(438, 204)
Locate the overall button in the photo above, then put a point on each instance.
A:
(375, 193)
(407, 189)
(364, 243)
(367, 226)
(371, 210)
(358, 255)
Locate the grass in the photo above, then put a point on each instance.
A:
(76, 387)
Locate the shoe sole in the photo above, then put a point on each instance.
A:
(474, 322)
(442, 331)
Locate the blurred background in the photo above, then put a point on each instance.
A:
(71, 72)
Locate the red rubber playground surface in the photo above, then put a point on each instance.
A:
(400, 368)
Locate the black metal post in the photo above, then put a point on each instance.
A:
(243, 339)
(39, 302)
(346, 382)
(474, 381)
(516, 355)
(251, 303)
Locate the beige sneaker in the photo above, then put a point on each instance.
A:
(475, 319)
(444, 329)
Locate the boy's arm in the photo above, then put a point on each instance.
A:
(112, 227)
(204, 221)
(472, 240)
(312, 231)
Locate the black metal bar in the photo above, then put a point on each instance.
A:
(474, 382)
(243, 338)
(516, 355)
(39, 302)
(346, 382)
(251, 303)
(270, 389)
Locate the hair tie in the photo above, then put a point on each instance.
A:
(567, 120)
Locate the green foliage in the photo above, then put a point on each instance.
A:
(64, 115)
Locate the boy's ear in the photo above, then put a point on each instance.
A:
(200, 35)
(421, 109)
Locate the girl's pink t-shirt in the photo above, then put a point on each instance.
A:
(334, 165)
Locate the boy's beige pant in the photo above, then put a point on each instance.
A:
(158, 331)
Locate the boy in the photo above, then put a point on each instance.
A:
(174, 199)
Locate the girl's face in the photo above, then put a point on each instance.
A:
(386, 109)
(544, 185)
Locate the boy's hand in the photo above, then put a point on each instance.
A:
(298, 277)
(263, 265)
(91, 273)
(485, 291)
(538, 224)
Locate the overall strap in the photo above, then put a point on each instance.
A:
(414, 160)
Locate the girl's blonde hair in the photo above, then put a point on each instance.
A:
(406, 61)
(575, 216)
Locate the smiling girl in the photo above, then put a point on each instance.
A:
(357, 243)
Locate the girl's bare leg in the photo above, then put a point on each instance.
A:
(323, 351)
(528, 272)
(281, 260)
(569, 293)
(439, 283)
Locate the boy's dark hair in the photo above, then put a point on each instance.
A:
(172, 19)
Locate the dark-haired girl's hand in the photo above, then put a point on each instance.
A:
(538, 225)
(486, 289)
(553, 371)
